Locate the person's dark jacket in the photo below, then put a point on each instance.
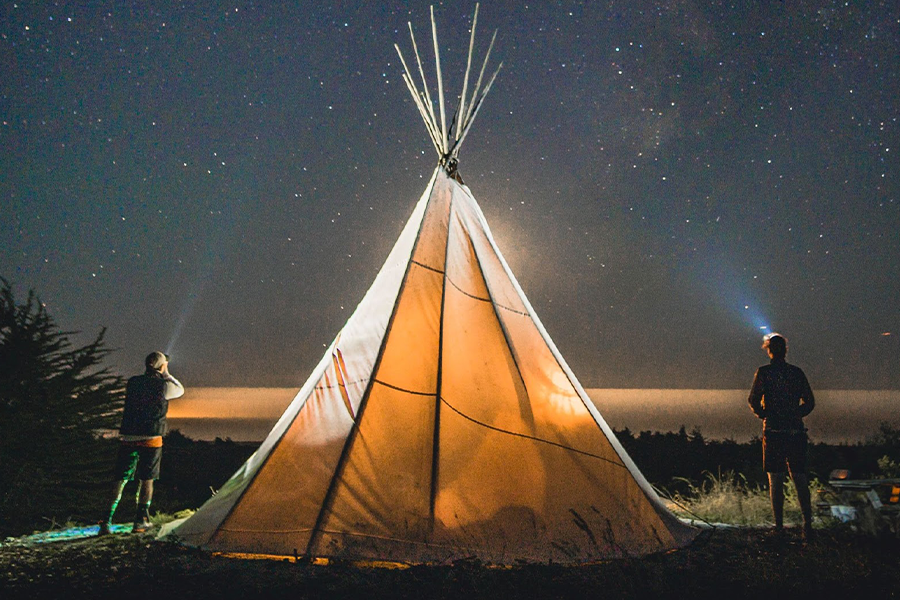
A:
(781, 396)
(147, 402)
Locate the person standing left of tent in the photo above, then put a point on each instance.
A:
(143, 425)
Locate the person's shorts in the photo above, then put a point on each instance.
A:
(136, 462)
(784, 450)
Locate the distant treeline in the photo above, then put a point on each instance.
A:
(192, 470)
(673, 460)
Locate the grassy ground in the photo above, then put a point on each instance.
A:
(723, 563)
(861, 560)
(731, 562)
(730, 498)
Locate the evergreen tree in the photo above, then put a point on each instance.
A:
(56, 399)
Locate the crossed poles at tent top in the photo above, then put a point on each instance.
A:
(447, 140)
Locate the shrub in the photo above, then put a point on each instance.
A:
(54, 399)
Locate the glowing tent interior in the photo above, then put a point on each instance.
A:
(442, 422)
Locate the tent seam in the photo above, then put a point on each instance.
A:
(265, 461)
(436, 434)
(531, 437)
(494, 305)
(354, 431)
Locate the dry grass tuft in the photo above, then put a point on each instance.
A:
(729, 498)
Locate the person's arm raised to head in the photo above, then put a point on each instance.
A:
(174, 389)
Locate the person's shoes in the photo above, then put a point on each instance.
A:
(103, 528)
(141, 526)
(775, 533)
(807, 535)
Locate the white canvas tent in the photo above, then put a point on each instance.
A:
(442, 422)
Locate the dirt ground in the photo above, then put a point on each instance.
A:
(724, 563)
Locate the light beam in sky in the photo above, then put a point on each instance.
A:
(734, 296)
(186, 310)
(219, 241)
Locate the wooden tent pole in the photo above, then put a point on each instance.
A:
(461, 108)
(414, 92)
(455, 150)
(422, 113)
(440, 81)
(429, 103)
(481, 75)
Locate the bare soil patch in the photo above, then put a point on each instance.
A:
(724, 563)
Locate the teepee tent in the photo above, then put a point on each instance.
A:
(442, 422)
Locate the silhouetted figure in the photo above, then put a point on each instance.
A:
(143, 425)
(781, 397)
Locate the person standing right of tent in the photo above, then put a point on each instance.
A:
(781, 397)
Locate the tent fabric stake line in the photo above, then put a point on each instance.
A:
(436, 434)
(354, 430)
(506, 337)
(247, 485)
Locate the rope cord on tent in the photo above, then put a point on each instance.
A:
(405, 391)
(424, 266)
(334, 385)
(464, 292)
(498, 429)
(530, 437)
(497, 304)
(337, 385)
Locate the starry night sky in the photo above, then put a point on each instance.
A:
(664, 178)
